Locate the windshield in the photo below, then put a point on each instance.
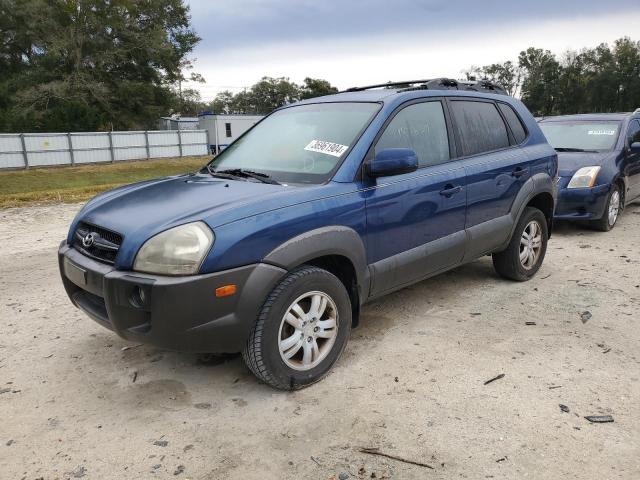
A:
(301, 144)
(581, 135)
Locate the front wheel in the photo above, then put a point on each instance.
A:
(301, 330)
(527, 248)
(611, 211)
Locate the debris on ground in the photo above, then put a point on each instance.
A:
(161, 443)
(79, 472)
(494, 379)
(529, 323)
(585, 316)
(202, 406)
(315, 460)
(9, 443)
(376, 451)
(555, 386)
(599, 418)
(564, 408)
(129, 347)
(503, 459)
(343, 476)
(134, 376)
(179, 470)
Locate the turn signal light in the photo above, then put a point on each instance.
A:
(226, 291)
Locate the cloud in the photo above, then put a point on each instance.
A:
(360, 42)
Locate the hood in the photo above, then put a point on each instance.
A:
(141, 210)
(570, 162)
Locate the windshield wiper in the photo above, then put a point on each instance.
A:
(570, 149)
(229, 176)
(241, 172)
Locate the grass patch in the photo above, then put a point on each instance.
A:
(77, 184)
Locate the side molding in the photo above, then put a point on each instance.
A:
(331, 240)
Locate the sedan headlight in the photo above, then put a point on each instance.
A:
(584, 177)
(177, 251)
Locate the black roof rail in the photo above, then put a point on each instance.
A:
(436, 84)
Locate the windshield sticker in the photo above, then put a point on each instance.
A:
(328, 148)
(601, 132)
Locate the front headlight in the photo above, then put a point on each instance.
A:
(584, 178)
(177, 251)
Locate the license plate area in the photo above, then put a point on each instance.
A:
(74, 273)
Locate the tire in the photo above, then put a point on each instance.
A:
(508, 263)
(610, 217)
(301, 287)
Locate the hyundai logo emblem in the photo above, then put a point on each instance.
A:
(88, 239)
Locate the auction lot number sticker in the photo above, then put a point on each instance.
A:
(327, 148)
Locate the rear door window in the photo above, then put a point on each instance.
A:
(517, 128)
(479, 126)
(422, 128)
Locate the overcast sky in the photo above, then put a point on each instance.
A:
(360, 42)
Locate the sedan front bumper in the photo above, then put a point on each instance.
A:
(580, 203)
(177, 313)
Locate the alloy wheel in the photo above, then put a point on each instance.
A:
(530, 245)
(614, 207)
(308, 330)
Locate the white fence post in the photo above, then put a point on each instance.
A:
(70, 148)
(24, 151)
(146, 141)
(113, 156)
(179, 141)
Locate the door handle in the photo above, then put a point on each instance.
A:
(518, 172)
(450, 190)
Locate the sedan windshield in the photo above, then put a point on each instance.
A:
(300, 144)
(581, 136)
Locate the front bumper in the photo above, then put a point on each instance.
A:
(178, 313)
(580, 203)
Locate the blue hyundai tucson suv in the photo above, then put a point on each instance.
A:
(273, 247)
(599, 164)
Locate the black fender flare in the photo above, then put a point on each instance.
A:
(320, 242)
(535, 185)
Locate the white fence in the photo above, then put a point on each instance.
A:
(24, 150)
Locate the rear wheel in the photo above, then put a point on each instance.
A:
(301, 330)
(611, 211)
(523, 257)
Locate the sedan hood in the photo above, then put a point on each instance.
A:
(570, 162)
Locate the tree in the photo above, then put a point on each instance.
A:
(90, 64)
(507, 75)
(540, 85)
(315, 87)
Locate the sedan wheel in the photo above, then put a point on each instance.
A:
(614, 207)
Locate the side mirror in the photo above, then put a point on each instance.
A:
(635, 147)
(393, 161)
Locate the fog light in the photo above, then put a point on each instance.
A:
(138, 297)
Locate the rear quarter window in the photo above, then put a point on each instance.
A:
(517, 128)
(479, 126)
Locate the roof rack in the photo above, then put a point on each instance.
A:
(437, 84)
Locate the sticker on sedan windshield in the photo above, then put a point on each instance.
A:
(601, 132)
(328, 148)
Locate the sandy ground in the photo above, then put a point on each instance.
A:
(410, 382)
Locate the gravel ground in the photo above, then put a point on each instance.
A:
(78, 402)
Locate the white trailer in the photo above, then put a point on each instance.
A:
(224, 129)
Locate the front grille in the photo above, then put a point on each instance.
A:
(104, 245)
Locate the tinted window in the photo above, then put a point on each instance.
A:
(634, 132)
(479, 126)
(227, 127)
(519, 133)
(422, 128)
